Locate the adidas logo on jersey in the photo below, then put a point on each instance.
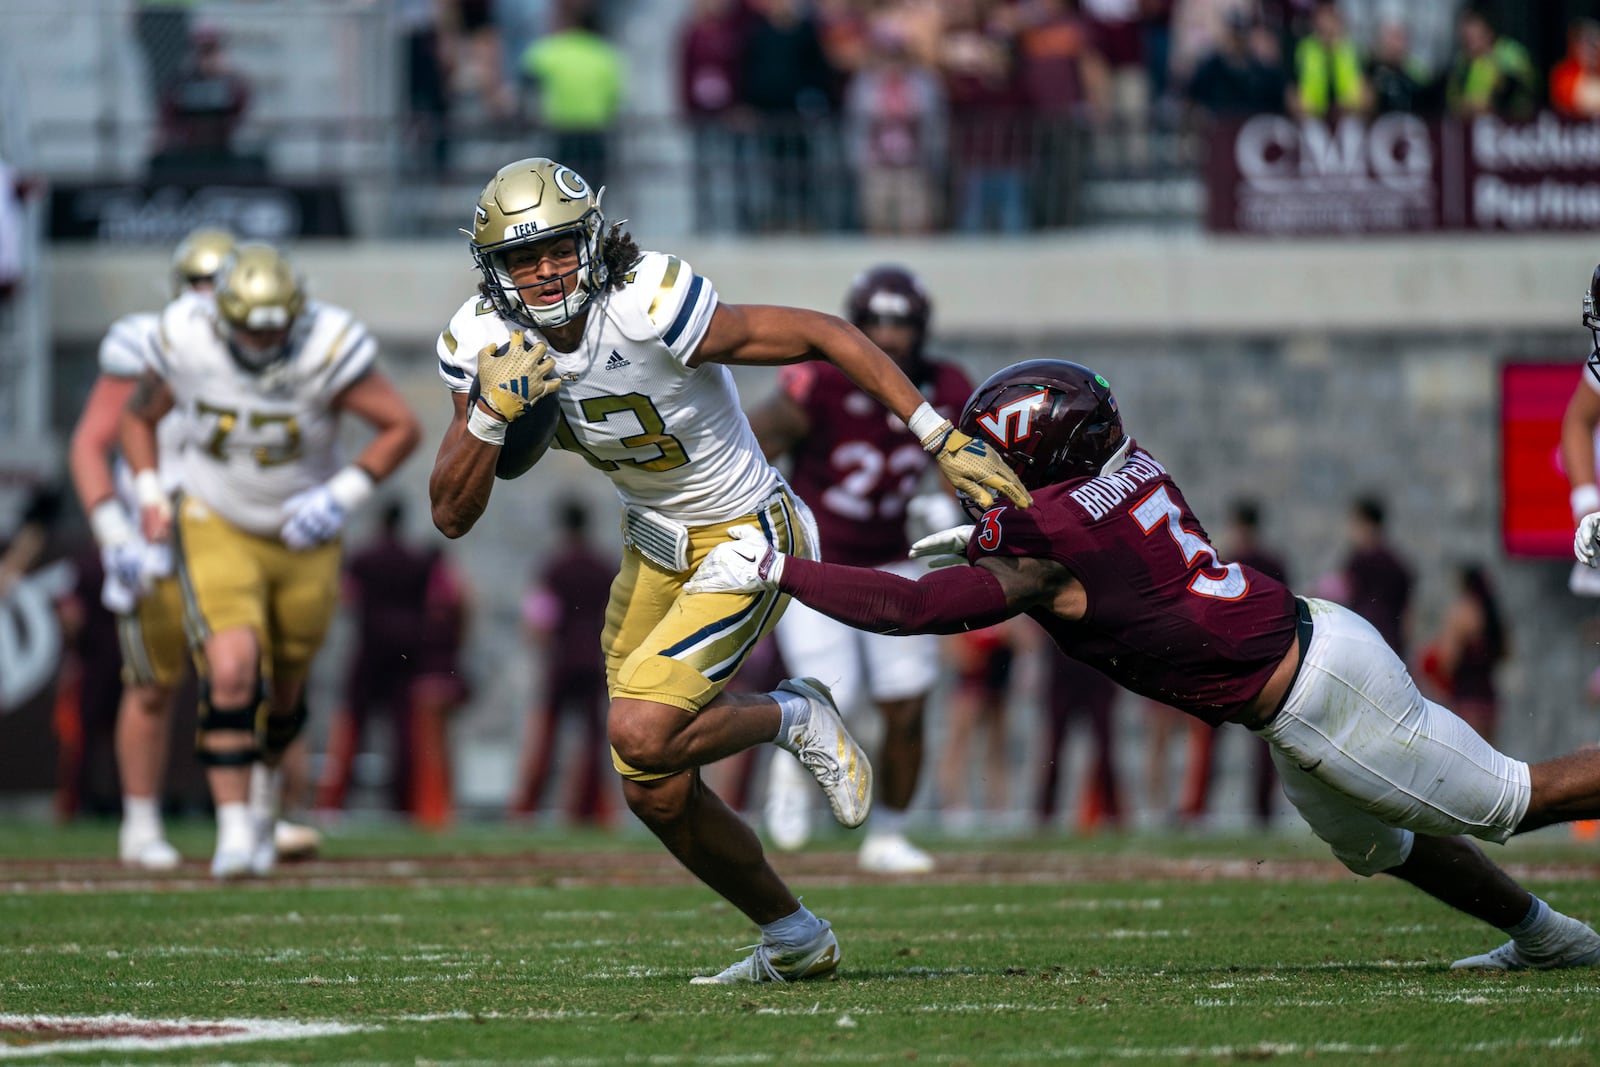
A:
(617, 361)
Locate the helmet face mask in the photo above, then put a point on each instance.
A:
(891, 295)
(198, 258)
(259, 303)
(1051, 421)
(528, 205)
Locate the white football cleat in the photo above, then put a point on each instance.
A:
(1576, 946)
(893, 854)
(826, 749)
(818, 958)
(295, 841)
(231, 863)
(151, 854)
(787, 811)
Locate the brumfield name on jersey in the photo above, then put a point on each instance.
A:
(1099, 495)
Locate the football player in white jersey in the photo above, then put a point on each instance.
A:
(259, 379)
(139, 587)
(634, 347)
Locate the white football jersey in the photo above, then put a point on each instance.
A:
(671, 438)
(125, 352)
(257, 439)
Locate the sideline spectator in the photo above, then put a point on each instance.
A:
(475, 54)
(580, 82)
(427, 81)
(564, 614)
(1065, 86)
(1077, 691)
(1491, 74)
(1328, 75)
(1461, 659)
(895, 116)
(991, 138)
(438, 690)
(1375, 582)
(710, 68)
(1244, 75)
(1118, 38)
(977, 704)
(201, 111)
(386, 585)
(1399, 80)
(787, 81)
(1575, 81)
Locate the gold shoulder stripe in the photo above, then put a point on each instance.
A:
(338, 342)
(449, 340)
(668, 280)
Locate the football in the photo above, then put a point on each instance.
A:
(527, 438)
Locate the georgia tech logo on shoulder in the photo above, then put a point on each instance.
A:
(1012, 422)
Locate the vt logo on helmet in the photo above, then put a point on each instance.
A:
(537, 217)
(1051, 421)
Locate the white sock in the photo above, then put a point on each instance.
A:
(796, 711)
(795, 930)
(886, 822)
(236, 830)
(266, 792)
(141, 818)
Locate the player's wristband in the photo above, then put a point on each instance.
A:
(150, 493)
(486, 427)
(929, 426)
(350, 487)
(110, 524)
(1585, 499)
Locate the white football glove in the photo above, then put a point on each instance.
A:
(747, 564)
(947, 548)
(1584, 544)
(316, 515)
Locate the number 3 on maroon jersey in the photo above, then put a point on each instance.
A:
(989, 529)
(1157, 510)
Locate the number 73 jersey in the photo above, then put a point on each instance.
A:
(671, 438)
(1167, 618)
(254, 440)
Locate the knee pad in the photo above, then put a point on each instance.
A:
(283, 729)
(1381, 856)
(246, 718)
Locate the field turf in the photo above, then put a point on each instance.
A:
(494, 945)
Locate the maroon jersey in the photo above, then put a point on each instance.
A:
(858, 464)
(1167, 619)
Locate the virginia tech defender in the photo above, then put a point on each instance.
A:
(636, 345)
(259, 380)
(1115, 567)
(140, 588)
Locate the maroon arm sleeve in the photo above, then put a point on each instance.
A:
(944, 601)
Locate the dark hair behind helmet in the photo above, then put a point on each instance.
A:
(1053, 421)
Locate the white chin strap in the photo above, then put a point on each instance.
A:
(1118, 458)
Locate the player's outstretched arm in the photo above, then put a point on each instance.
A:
(1578, 426)
(94, 438)
(463, 474)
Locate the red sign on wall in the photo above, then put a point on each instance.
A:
(1534, 519)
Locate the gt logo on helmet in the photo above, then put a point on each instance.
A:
(1012, 422)
(570, 184)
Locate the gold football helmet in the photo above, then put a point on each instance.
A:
(198, 257)
(259, 301)
(528, 202)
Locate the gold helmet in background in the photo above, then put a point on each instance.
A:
(528, 202)
(198, 257)
(259, 300)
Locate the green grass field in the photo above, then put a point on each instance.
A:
(501, 946)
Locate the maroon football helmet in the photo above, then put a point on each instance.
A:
(890, 292)
(1591, 320)
(1051, 420)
